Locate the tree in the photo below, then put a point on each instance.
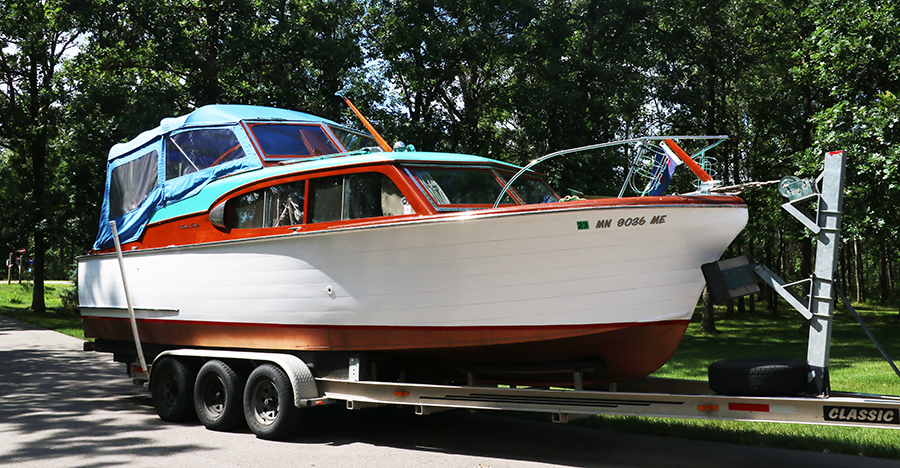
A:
(449, 62)
(855, 58)
(582, 79)
(144, 60)
(512, 79)
(35, 38)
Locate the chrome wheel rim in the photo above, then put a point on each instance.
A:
(265, 402)
(213, 395)
(169, 389)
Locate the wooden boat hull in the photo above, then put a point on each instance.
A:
(613, 283)
(506, 354)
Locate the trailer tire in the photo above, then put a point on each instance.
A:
(172, 389)
(759, 377)
(269, 403)
(218, 393)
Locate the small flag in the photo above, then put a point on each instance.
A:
(664, 168)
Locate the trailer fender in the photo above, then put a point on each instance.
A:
(302, 381)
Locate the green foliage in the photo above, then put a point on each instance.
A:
(511, 79)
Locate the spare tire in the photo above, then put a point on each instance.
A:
(759, 377)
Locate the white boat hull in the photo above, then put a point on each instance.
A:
(464, 282)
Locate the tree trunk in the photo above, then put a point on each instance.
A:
(729, 306)
(842, 266)
(38, 223)
(37, 298)
(883, 274)
(708, 321)
(857, 270)
(890, 269)
(37, 146)
(754, 297)
(806, 262)
(780, 268)
(210, 91)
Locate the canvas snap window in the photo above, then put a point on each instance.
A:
(195, 150)
(130, 183)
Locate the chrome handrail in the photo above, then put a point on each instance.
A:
(604, 145)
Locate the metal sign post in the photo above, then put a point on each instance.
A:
(827, 226)
(726, 280)
(822, 292)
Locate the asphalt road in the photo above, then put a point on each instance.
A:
(62, 407)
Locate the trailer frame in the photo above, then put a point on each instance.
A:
(646, 397)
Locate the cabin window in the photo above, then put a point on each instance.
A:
(284, 141)
(278, 205)
(355, 196)
(130, 183)
(195, 150)
(353, 141)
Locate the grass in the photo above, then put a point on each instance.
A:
(15, 300)
(856, 366)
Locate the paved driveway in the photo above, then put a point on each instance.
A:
(62, 407)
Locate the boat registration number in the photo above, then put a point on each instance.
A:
(623, 222)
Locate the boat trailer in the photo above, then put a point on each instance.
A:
(649, 396)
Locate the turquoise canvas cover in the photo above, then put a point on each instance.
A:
(174, 161)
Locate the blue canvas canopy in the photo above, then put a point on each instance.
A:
(174, 161)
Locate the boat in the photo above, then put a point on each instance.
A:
(254, 228)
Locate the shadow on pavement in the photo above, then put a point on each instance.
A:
(57, 402)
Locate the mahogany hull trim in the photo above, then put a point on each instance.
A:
(625, 350)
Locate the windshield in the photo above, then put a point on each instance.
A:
(466, 188)
(283, 141)
(531, 190)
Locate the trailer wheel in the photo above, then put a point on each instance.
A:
(217, 396)
(758, 377)
(269, 403)
(171, 389)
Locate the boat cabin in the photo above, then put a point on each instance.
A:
(232, 171)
